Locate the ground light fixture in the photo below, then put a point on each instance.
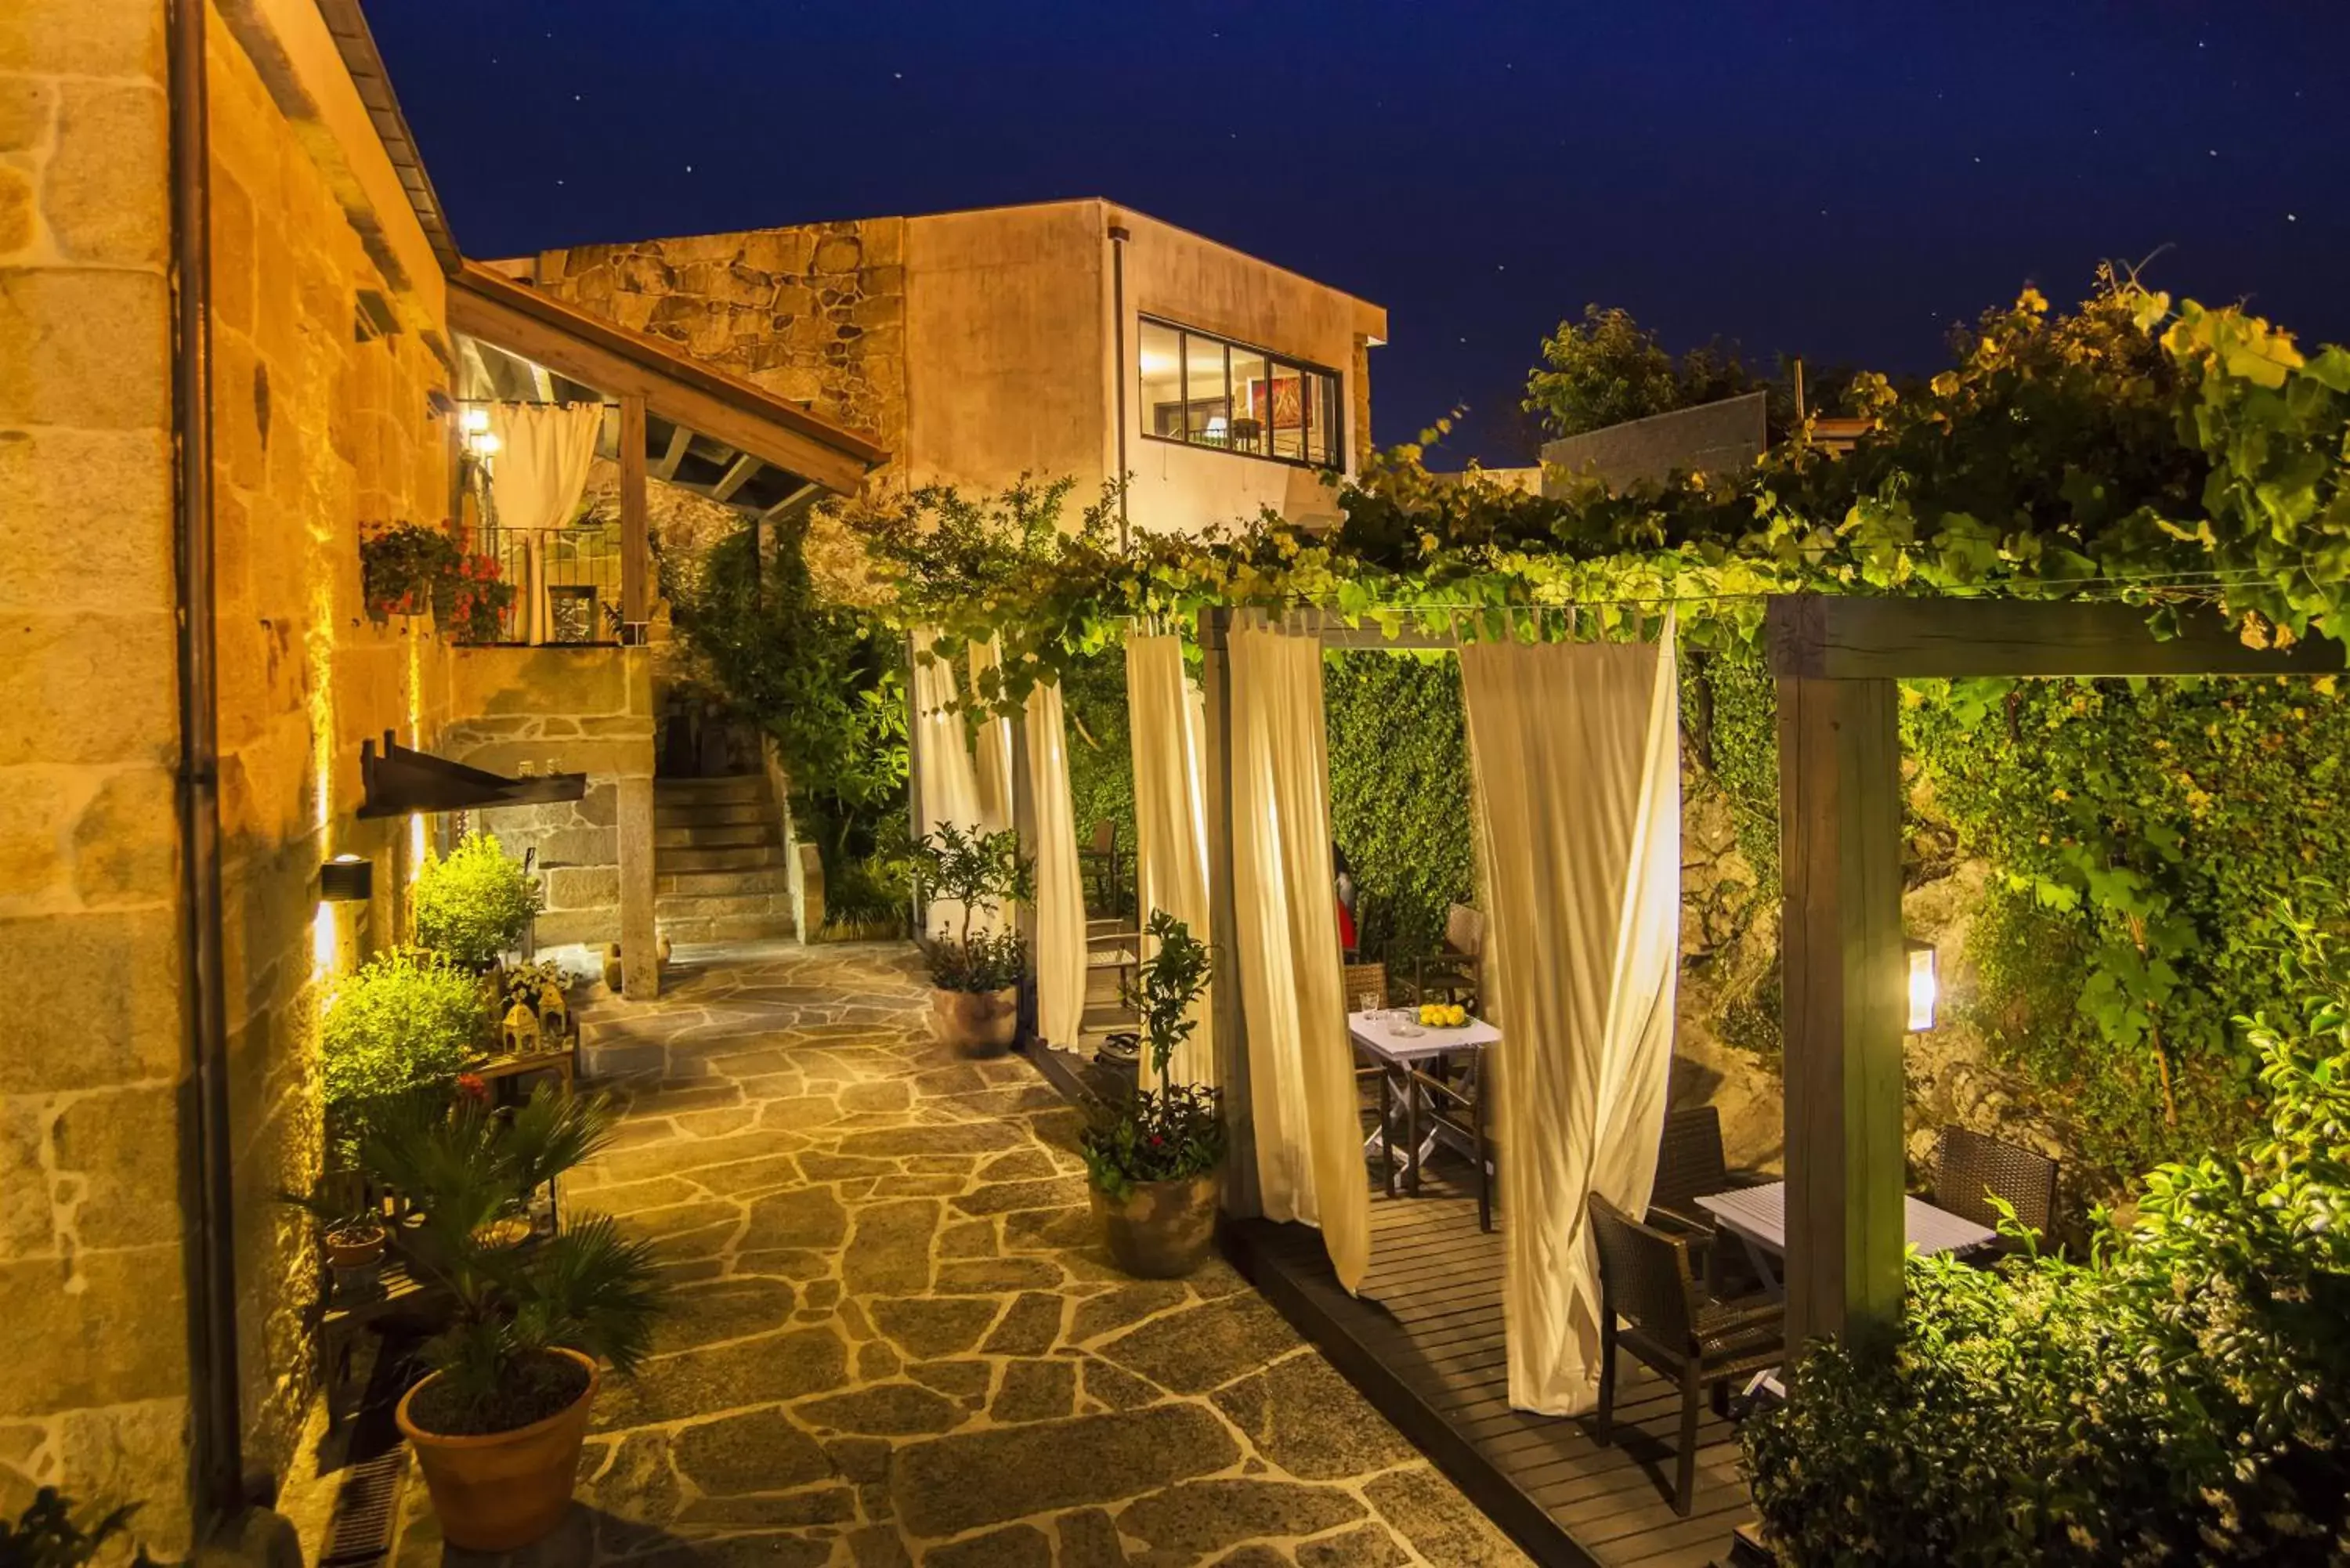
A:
(1925, 984)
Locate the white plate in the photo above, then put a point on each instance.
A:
(1405, 1031)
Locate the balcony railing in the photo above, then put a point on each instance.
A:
(566, 584)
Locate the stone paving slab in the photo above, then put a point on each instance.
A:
(898, 1342)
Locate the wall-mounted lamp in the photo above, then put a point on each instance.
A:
(347, 879)
(1925, 985)
(474, 420)
(474, 424)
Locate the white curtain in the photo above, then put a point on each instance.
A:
(992, 749)
(1171, 816)
(1309, 1135)
(1576, 749)
(1060, 955)
(536, 478)
(945, 783)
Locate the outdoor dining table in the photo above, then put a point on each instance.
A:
(1401, 1046)
(1757, 1216)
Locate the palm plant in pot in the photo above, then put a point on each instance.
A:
(1155, 1156)
(975, 978)
(498, 1422)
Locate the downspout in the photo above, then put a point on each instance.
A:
(1118, 235)
(218, 1459)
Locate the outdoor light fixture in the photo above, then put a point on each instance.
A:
(1925, 985)
(347, 879)
(474, 420)
(484, 445)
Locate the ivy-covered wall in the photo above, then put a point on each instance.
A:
(1399, 794)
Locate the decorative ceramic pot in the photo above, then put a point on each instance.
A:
(358, 1246)
(1163, 1229)
(503, 1490)
(981, 1023)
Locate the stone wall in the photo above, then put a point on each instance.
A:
(814, 313)
(93, 1387)
(560, 710)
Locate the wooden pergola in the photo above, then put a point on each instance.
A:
(1837, 662)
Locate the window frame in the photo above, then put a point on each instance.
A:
(1274, 362)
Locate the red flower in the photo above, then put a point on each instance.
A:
(472, 1086)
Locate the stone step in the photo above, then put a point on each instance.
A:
(709, 813)
(720, 882)
(729, 929)
(734, 787)
(722, 836)
(711, 906)
(732, 858)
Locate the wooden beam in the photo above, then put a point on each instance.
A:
(636, 596)
(1834, 636)
(1844, 1006)
(783, 508)
(738, 473)
(599, 355)
(681, 441)
(1244, 1197)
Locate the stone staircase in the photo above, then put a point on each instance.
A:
(718, 860)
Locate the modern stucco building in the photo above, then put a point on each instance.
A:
(1079, 338)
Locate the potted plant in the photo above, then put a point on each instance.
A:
(975, 979)
(474, 904)
(356, 1241)
(403, 1021)
(497, 1424)
(1156, 1156)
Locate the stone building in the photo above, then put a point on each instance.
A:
(191, 673)
(1078, 338)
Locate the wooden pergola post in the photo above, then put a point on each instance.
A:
(1241, 1198)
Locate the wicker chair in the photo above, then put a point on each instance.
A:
(1674, 1327)
(1449, 974)
(1689, 1165)
(1970, 1168)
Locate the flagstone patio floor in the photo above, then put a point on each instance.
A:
(897, 1341)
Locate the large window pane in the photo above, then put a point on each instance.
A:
(1323, 421)
(1162, 380)
(1208, 402)
(1251, 422)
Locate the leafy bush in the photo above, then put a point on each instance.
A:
(1399, 793)
(2182, 1396)
(981, 873)
(1177, 1131)
(471, 1171)
(475, 903)
(403, 1019)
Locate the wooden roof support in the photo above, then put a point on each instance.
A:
(621, 363)
(1843, 638)
(681, 440)
(738, 473)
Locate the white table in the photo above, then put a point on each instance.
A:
(1757, 1216)
(1398, 1046)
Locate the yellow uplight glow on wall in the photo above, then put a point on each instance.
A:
(1925, 986)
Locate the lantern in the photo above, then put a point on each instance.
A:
(554, 1016)
(520, 1033)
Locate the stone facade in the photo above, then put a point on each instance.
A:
(551, 710)
(814, 313)
(90, 1227)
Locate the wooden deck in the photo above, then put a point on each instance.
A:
(1424, 1344)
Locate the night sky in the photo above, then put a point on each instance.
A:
(1837, 181)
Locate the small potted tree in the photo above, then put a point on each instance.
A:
(474, 905)
(498, 1424)
(975, 979)
(1155, 1156)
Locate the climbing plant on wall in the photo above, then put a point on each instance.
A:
(1399, 793)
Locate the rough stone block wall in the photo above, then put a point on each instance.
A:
(559, 710)
(320, 429)
(93, 1388)
(814, 313)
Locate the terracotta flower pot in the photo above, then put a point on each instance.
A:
(356, 1246)
(1163, 1229)
(505, 1490)
(981, 1022)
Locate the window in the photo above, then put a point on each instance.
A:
(1206, 391)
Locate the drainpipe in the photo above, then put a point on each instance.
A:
(1118, 235)
(218, 1459)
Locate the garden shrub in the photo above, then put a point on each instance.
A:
(475, 903)
(2180, 1397)
(403, 1019)
(1101, 749)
